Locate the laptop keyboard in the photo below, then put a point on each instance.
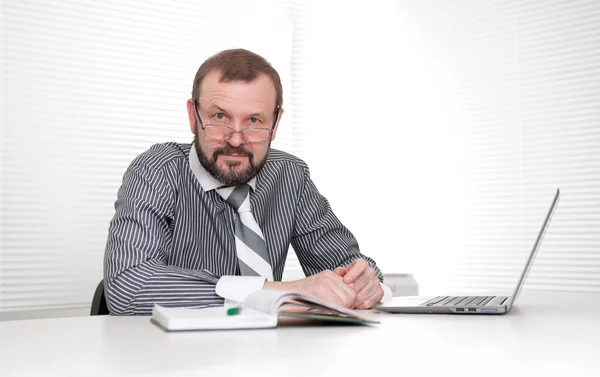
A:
(459, 301)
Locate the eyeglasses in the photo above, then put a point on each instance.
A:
(223, 133)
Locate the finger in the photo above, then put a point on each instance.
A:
(362, 296)
(348, 291)
(373, 299)
(343, 295)
(341, 271)
(355, 270)
(363, 280)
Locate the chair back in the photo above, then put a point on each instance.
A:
(99, 305)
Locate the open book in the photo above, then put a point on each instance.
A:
(261, 309)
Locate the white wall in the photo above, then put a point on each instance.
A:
(442, 154)
(375, 137)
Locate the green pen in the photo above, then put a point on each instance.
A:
(234, 311)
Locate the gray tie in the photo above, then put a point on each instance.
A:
(251, 248)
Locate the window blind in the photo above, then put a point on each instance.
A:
(86, 87)
(515, 88)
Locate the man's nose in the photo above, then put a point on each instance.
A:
(236, 139)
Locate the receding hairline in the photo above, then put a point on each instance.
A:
(238, 64)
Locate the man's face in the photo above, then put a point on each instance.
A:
(239, 105)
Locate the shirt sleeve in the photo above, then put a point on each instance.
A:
(320, 240)
(387, 293)
(237, 288)
(136, 275)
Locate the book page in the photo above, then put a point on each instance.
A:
(266, 301)
(286, 303)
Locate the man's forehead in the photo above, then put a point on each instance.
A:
(215, 92)
(226, 99)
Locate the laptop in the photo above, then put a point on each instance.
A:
(469, 304)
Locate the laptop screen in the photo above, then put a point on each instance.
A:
(536, 246)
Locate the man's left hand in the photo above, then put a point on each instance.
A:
(363, 279)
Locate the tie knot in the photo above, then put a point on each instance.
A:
(236, 197)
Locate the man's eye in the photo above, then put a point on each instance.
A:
(254, 120)
(220, 116)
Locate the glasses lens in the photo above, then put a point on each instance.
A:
(217, 132)
(257, 134)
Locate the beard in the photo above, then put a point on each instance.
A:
(232, 176)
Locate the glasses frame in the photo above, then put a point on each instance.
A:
(232, 131)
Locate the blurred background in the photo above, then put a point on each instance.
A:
(439, 131)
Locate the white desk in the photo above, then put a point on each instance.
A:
(536, 339)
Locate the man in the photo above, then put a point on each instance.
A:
(198, 223)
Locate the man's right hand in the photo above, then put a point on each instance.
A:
(326, 285)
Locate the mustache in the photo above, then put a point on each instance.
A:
(228, 149)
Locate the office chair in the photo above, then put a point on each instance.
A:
(99, 306)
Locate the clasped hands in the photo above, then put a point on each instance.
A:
(355, 286)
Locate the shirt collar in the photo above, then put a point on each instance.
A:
(206, 180)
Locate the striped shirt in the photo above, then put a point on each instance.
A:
(170, 240)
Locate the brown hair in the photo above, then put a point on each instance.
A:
(238, 64)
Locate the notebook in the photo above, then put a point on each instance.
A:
(260, 310)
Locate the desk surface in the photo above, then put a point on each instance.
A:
(538, 338)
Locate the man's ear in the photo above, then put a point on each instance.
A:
(191, 115)
(274, 133)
